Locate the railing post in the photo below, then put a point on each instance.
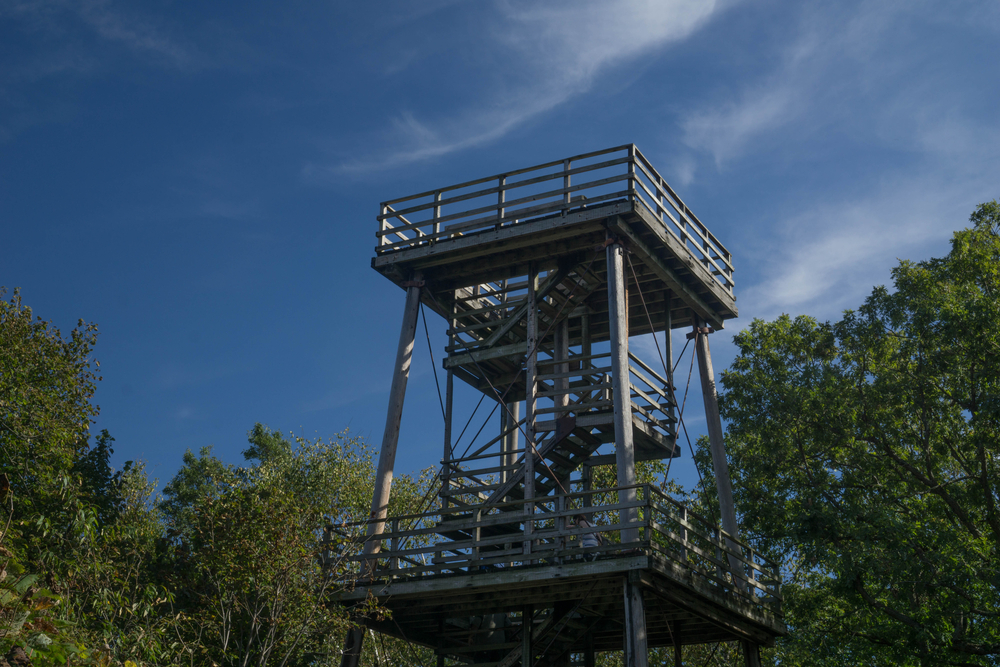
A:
(684, 533)
(531, 371)
(567, 197)
(477, 517)
(394, 549)
(501, 198)
(437, 213)
(383, 225)
(631, 172)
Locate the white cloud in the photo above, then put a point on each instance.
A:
(827, 258)
(726, 132)
(860, 73)
(135, 33)
(552, 52)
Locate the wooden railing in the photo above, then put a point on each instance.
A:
(553, 188)
(534, 532)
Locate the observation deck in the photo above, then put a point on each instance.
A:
(471, 597)
(491, 228)
(543, 276)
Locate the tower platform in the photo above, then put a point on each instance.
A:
(555, 214)
(469, 598)
(543, 276)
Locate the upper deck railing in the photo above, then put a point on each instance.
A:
(553, 188)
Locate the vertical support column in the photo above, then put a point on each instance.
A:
(675, 634)
(586, 348)
(751, 654)
(352, 647)
(527, 614)
(561, 354)
(387, 455)
(531, 371)
(618, 321)
(636, 646)
(668, 323)
(397, 392)
(512, 415)
(717, 445)
(588, 651)
(668, 356)
(721, 467)
(449, 405)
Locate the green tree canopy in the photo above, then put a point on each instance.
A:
(866, 456)
(46, 386)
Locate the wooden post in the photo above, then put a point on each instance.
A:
(561, 354)
(717, 446)
(567, 197)
(721, 466)
(387, 455)
(751, 654)
(668, 357)
(668, 323)
(437, 213)
(501, 196)
(397, 392)
(588, 651)
(531, 371)
(527, 614)
(512, 415)
(636, 646)
(352, 647)
(449, 402)
(676, 636)
(618, 321)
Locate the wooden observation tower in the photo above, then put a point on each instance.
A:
(544, 275)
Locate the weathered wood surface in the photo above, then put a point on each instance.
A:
(617, 173)
(691, 551)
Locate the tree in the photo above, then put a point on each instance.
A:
(866, 457)
(46, 386)
(254, 579)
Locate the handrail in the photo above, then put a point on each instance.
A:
(551, 188)
(497, 535)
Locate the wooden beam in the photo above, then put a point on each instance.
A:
(636, 646)
(718, 449)
(679, 287)
(530, 374)
(624, 450)
(394, 414)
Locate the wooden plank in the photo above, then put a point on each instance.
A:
(516, 172)
(514, 349)
(516, 236)
(624, 450)
(718, 448)
(390, 437)
(636, 646)
(668, 276)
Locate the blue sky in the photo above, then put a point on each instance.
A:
(202, 179)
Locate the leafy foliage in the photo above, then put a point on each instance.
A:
(868, 452)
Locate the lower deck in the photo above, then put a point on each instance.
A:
(472, 596)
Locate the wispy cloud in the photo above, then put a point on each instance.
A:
(859, 73)
(139, 33)
(136, 33)
(835, 54)
(551, 53)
